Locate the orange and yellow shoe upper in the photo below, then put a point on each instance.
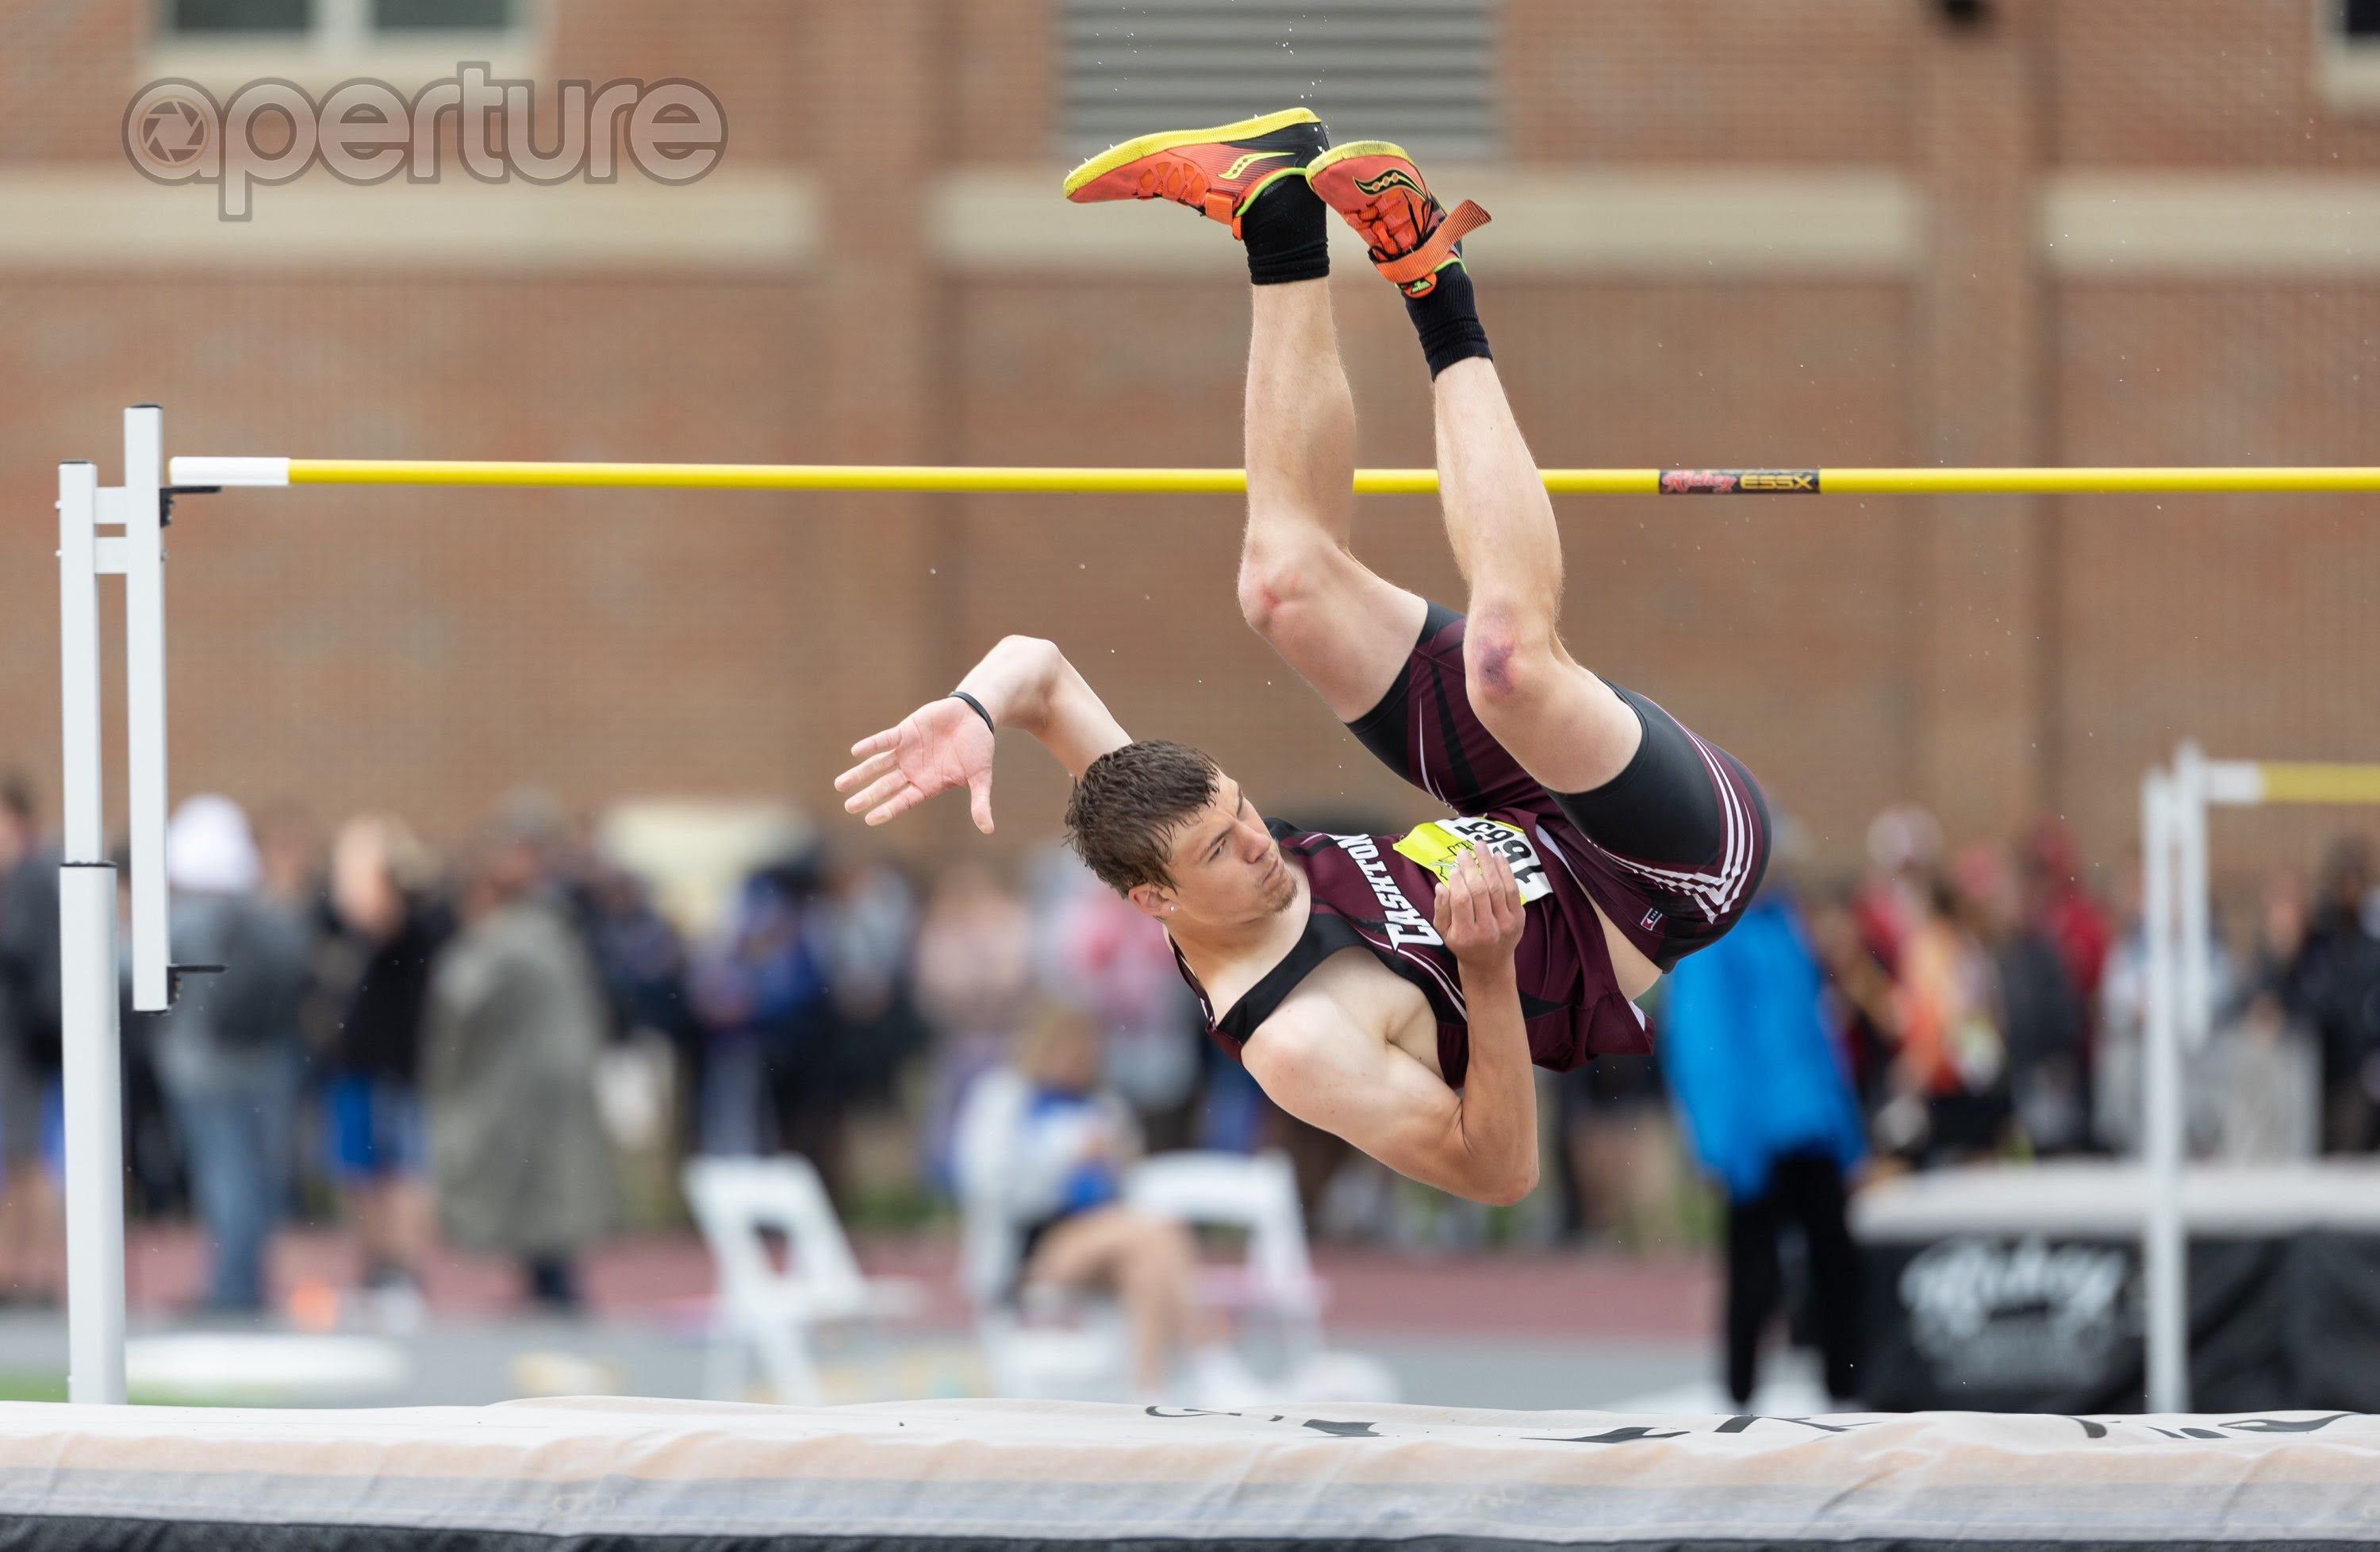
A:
(1215, 172)
(1374, 187)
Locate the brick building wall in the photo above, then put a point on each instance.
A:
(426, 651)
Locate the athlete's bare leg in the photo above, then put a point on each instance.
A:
(1345, 629)
(1562, 722)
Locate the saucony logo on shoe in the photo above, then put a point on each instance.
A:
(1395, 177)
(1238, 168)
(1374, 187)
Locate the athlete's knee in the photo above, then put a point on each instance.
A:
(1261, 596)
(1276, 575)
(1509, 661)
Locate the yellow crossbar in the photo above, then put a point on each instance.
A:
(2304, 782)
(1138, 482)
(784, 476)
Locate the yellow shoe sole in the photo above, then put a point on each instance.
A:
(1116, 156)
(1357, 148)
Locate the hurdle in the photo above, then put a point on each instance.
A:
(2176, 921)
(137, 511)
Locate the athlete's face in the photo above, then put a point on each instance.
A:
(1226, 865)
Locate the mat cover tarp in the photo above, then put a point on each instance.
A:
(1018, 1475)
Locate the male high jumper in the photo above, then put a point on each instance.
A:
(1391, 990)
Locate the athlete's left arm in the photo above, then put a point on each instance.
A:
(1481, 917)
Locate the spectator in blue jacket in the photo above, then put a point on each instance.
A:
(1768, 1110)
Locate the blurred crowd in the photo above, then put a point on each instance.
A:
(1980, 1005)
(357, 1033)
(1990, 1002)
(465, 1050)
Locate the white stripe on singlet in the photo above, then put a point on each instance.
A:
(1462, 1009)
(1453, 993)
(1421, 748)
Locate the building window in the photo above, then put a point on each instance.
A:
(2348, 54)
(237, 15)
(332, 20)
(1419, 72)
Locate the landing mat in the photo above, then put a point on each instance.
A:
(1007, 1476)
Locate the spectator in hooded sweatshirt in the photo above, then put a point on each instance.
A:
(227, 1053)
(1769, 1110)
(391, 927)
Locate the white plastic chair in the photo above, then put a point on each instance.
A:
(1071, 1347)
(1074, 1347)
(1276, 1279)
(761, 1309)
(1258, 1196)
(1044, 1345)
(1047, 1345)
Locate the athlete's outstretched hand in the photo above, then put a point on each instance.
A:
(1479, 911)
(940, 745)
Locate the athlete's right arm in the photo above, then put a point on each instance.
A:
(1024, 683)
(1318, 1062)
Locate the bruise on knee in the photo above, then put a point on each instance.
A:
(1492, 670)
(1502, 664)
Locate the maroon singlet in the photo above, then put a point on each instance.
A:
(1366, 895)
(1673, 850)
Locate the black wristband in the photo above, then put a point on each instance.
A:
(987, 722)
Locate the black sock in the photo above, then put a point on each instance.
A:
(1285, 234)
(1448, 321)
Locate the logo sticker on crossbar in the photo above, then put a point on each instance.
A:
(1739, 482)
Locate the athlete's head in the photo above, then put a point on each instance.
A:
(1163, 826)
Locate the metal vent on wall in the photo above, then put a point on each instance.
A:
(1415, 71)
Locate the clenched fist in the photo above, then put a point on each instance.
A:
(1479, 910)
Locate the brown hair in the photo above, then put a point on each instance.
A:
(1125, 811)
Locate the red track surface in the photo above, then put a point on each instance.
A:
(1584, 1296)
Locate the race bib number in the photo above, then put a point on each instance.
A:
(1437, 844)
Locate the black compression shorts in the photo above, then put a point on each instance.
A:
(1677, 842)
